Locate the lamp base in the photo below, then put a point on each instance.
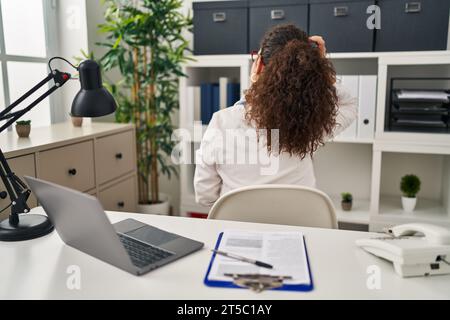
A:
(30, 226)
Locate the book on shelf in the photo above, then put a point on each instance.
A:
(199, 215)
(206, 104)
(233, 93)
(193, 105)
(215, 105)
(216, 96)
(223, 87)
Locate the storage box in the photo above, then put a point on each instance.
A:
(264, 14)
(343, 24)
(413, 25)
(221, 27)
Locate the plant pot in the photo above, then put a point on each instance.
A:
(23, 130)
(162, 208)
(346, 205)
(409, 204)
(77, 121)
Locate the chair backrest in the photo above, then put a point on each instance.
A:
(276, 204)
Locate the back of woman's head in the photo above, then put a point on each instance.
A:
(294, 93)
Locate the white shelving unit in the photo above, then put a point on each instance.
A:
(369, 168)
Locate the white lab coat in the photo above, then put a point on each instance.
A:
(231, 156)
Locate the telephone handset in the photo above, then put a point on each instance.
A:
(411, 254)
(433, 234)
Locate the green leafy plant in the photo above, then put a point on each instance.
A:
(23, 122)
(145, 42)
(410, 185)
(346, 197)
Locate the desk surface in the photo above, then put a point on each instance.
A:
(38, 269)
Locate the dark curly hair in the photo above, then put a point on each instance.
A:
(295, 93)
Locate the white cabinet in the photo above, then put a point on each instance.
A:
(98, 159)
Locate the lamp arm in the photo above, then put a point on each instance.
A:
(6, 111)
(59, 77)
(17, 190)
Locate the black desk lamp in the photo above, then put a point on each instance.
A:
(93, 100)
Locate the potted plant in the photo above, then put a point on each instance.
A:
(347, 201)
(76, 121)
(410, 186)
(23, 128)
(145, 42)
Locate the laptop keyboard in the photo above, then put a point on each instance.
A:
(142, 254)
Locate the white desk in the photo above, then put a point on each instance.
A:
(37, 269)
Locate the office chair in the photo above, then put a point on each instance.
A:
(276, 204)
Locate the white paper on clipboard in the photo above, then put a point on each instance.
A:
(285, 251)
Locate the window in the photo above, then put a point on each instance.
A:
(24, 52)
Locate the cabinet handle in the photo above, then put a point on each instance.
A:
(277, 14)
(3, 194)
(219, 16)
(72, 171)
(413, 7)
(120, 204)
(340, 11)
(366, 121)
(119, 155)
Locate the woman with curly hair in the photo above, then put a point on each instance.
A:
(292, 107)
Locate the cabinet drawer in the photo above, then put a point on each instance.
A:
(342, 24)
(71, 166)
(21, 166)
(114, 156)
(220, 27)
(413, 25)
(120, 197)
(264, 14)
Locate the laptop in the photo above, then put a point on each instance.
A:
(130, 245)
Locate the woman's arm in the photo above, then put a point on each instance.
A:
(348, 105)
(348, 110)
(207, 182)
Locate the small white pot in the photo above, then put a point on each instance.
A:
(409, 204)
(162, 208)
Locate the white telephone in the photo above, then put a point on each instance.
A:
(411, 254)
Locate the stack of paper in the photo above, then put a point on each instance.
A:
(433, 95)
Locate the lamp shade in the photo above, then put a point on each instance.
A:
(93, 100)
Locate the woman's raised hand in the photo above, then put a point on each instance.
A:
(320, 43)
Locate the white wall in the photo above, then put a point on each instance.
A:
(72, 37)
(353, 176)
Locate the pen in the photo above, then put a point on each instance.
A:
(240, 258)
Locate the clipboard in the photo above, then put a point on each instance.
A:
(230, 284)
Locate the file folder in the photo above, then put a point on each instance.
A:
(367, 105)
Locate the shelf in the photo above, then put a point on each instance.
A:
(413, 142)
(352, 140)
(390, 209)
(229, 60)
(426, 211)
(188, 204)
(360, 213)
(339, 55)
